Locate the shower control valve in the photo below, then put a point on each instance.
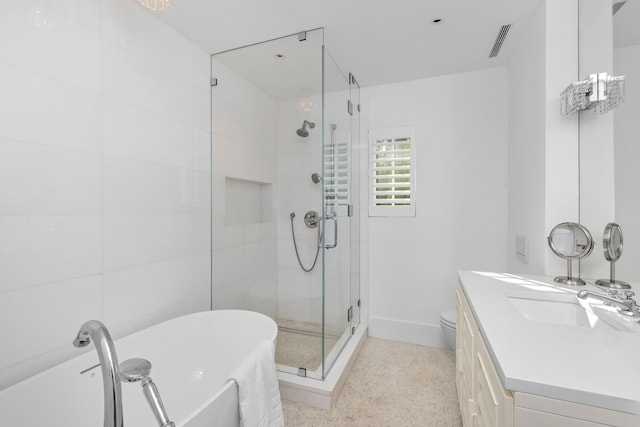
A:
(311, 219)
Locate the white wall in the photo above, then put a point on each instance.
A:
(627, 151)
(461, 205)
(244, 126)
(527, 148)
(104, 176)
(543, 145)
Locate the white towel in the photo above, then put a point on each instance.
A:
(259, 392)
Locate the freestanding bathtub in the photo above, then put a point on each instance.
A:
(192, 357)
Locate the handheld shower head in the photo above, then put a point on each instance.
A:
(303, 132)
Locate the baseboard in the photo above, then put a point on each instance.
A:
(411, 332)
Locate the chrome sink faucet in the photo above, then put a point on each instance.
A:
(96, 331)
(622, 300)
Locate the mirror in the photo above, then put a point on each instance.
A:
(570, 241)
(625, 203)
(626, 59)
(612, 246)
(612, 242)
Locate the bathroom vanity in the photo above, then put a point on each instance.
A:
(530, 353)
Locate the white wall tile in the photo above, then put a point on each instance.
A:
(41, 30)
(294, 282)
(227, 267)
(192, 304)
(235, 89)
(135, 133)
(43, 249)
(201, 105)
(83, 12)
(132, 186)
(295, 308)
(136, 29)
(201, 69)
(201, 265)
(201, 232)
(38, 179)
(39, 109)
(98, 71)
(135, 80)
(202, 150)
(137, 239)
(201, 201)
(235, 296)
(48, 307)
(133, 293)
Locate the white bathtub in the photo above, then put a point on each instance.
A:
(192, 358)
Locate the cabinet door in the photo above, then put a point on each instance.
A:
(494, 405)
(466, 331)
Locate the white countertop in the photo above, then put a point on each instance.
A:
(591, 366)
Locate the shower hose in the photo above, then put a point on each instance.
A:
(295, 246)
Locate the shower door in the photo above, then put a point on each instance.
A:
(285, 195)
(338, 206)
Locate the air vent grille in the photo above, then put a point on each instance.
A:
(499, 40)
(617, 5)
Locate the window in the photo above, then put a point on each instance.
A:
(336, 174)
(392, 173)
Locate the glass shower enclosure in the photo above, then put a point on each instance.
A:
(285, 226)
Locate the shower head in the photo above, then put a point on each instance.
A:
(303, 132)
(316, 178)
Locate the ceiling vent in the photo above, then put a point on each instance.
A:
(502, 34)
(617, 5)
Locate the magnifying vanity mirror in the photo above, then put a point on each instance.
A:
(570, 241)
(612, 246)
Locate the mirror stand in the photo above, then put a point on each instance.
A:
(569, 241)
(612, 282)
(569, 279)
(612, 246)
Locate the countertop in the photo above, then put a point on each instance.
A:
(591, 366)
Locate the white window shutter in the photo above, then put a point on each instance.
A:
(392, 172)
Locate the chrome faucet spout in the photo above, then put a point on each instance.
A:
(95, 331)
(623, 301)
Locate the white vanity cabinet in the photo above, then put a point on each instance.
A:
(483, 401)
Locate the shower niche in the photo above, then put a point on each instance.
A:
(285, 119)
(247, 202)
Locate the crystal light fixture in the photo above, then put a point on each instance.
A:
(155, 5)
(599, 92)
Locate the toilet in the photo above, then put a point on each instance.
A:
(448, 326)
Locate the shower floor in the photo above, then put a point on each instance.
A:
(299, 344)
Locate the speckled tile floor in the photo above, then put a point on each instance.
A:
(390, 384)
(299, 344)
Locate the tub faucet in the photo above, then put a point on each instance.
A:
(96, 331)
(623, 301)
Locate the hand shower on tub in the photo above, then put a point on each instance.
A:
(134, 370)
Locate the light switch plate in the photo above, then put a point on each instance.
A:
(522, 248)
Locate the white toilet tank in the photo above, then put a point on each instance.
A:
(448, 326)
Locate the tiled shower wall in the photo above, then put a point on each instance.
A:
(104, 175)
(244, 125)
(299, 293)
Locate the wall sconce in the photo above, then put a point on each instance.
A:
(305, 105)
(599, 92)
(155, 5)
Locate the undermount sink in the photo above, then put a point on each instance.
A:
(564, 308)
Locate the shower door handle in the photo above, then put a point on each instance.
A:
(321, 234)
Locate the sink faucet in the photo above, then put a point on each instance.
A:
(96, 331)
(623, 301)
